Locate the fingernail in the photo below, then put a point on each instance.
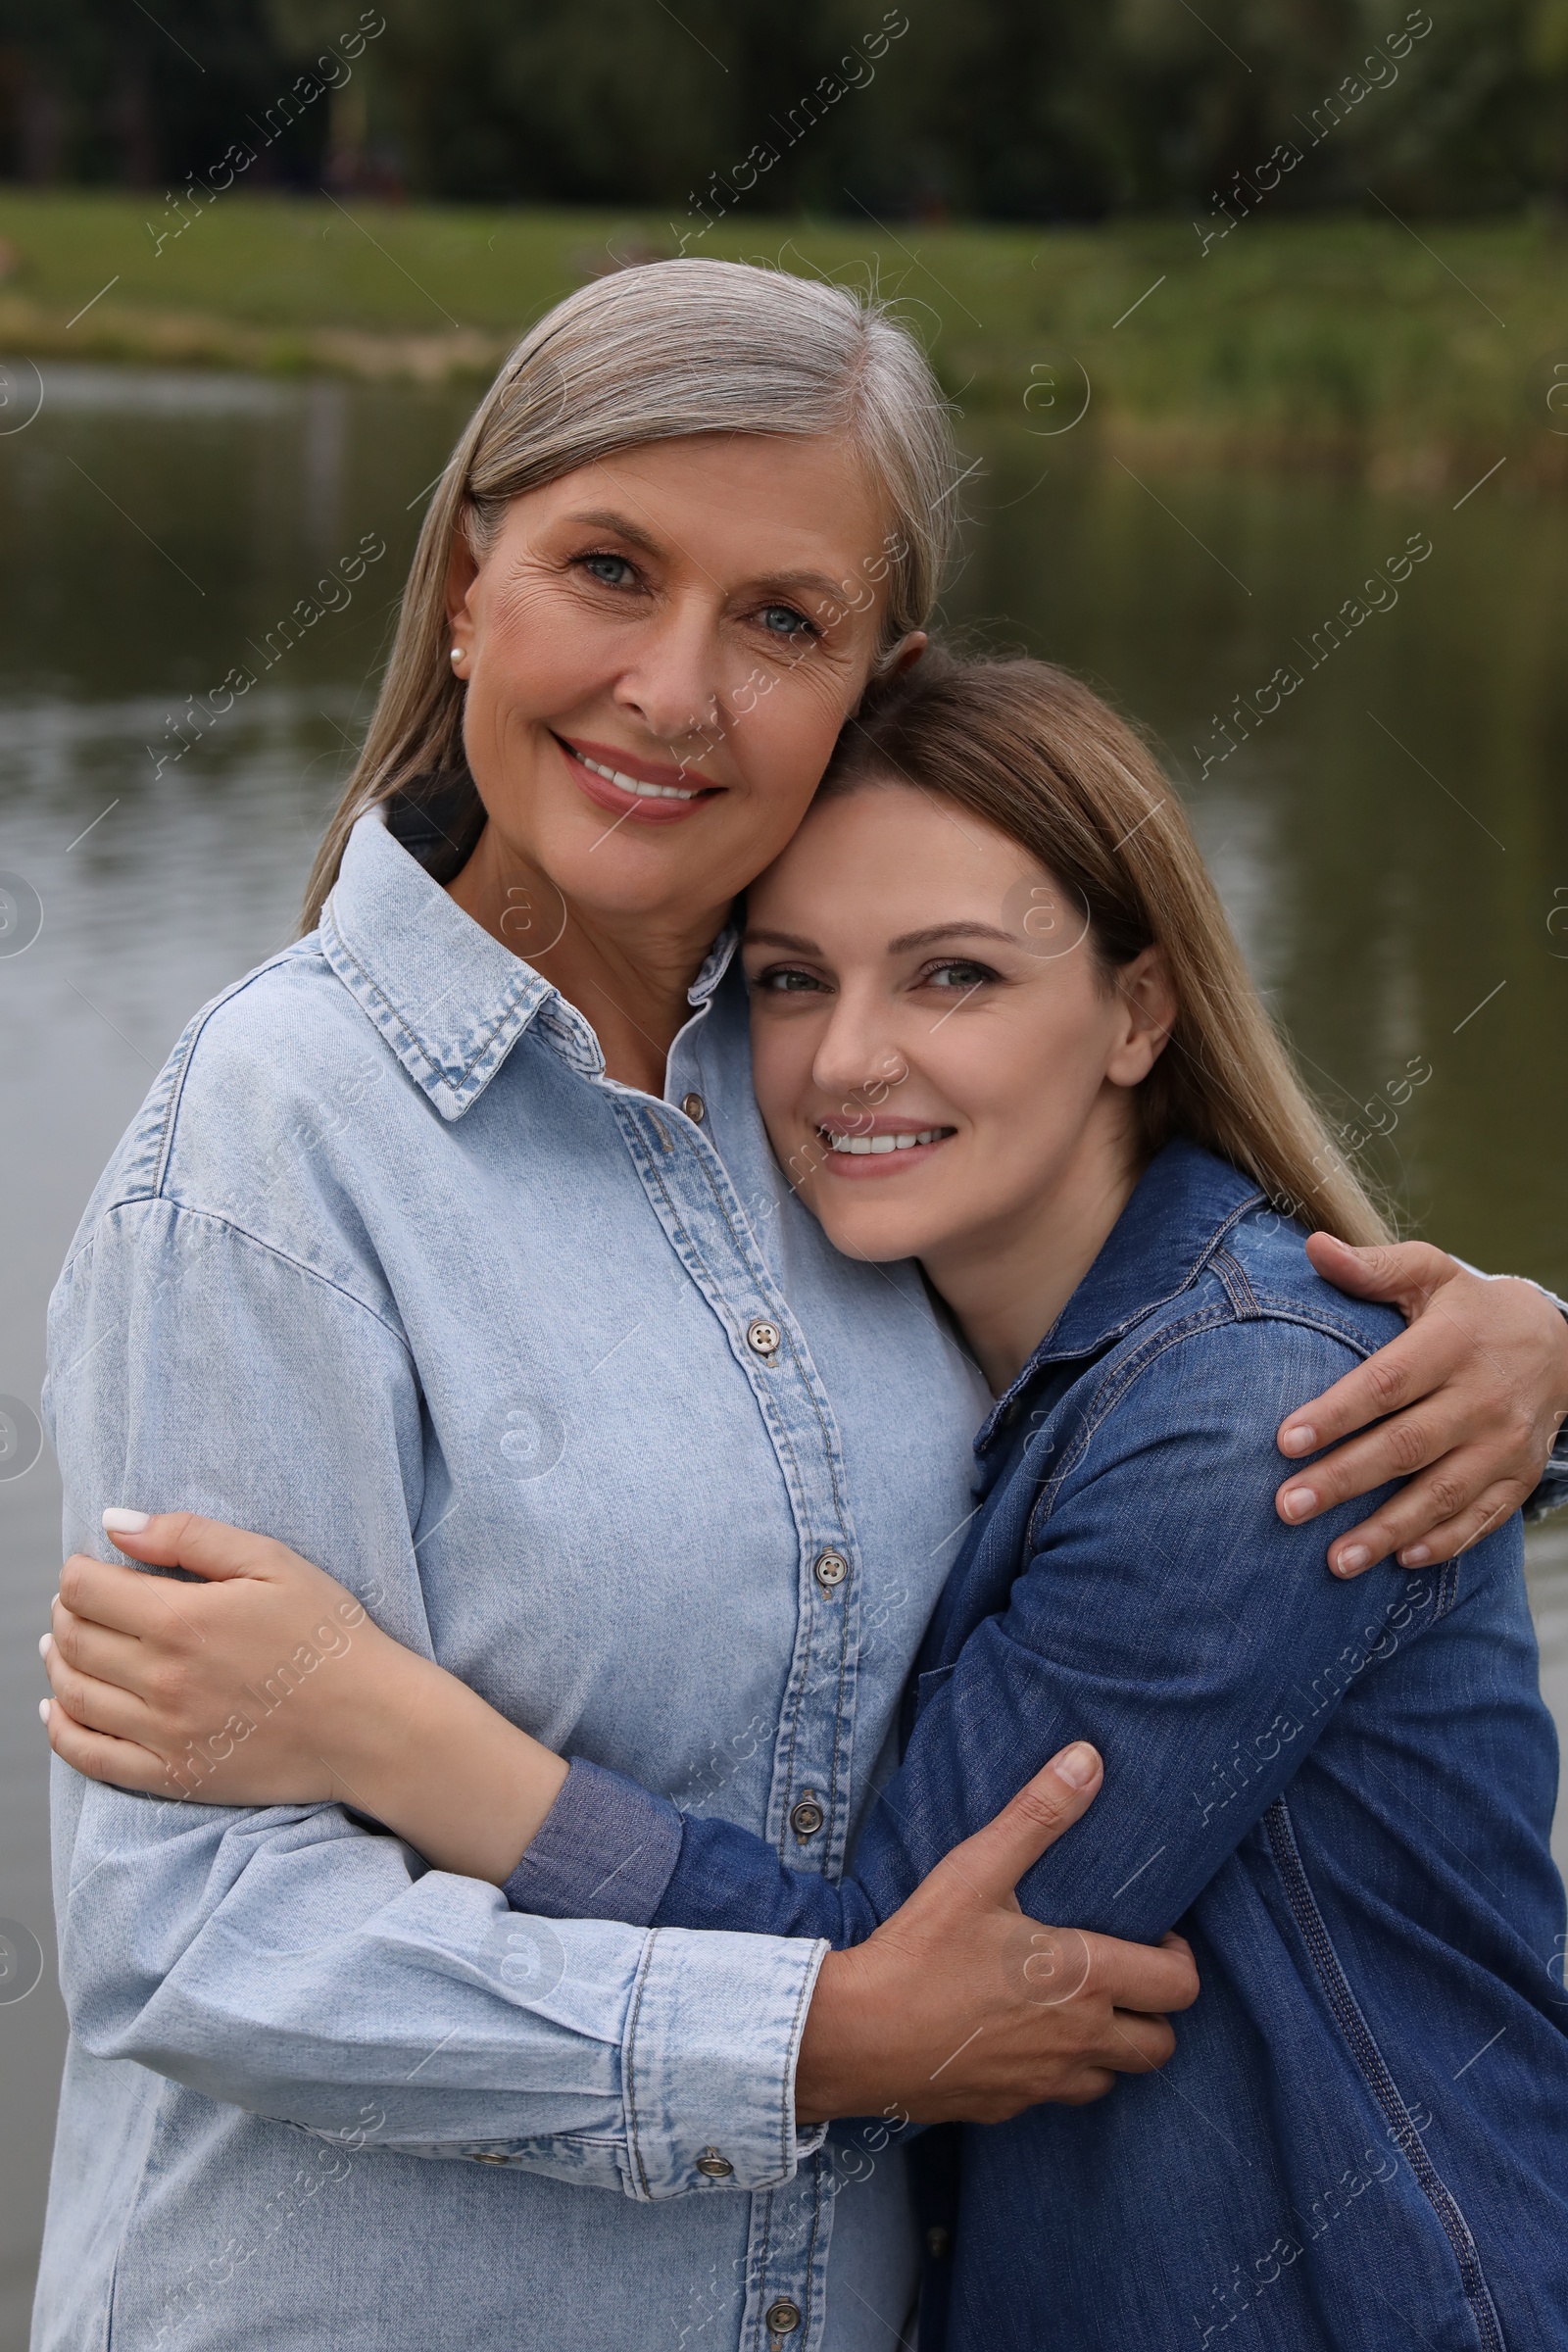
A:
(43, 1711)
(1416, 1556)
(1300, 1437)
(1297, 1502)
(1076, 1765)
(1350, 1559)
(127, 1523)
(44, 1640)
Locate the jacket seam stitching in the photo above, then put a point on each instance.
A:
(1119, 1375)
(1119, 1378)
(1351, 2024)
(1233, 1274)
(1121, 1330)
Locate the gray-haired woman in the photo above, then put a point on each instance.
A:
(472, 1278)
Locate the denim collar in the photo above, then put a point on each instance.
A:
(1180, 1212)
(449, 999)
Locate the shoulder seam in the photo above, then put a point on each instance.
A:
(1118, 1378)
(283, 1257)
(181, 1072)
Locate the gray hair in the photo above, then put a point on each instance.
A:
(658, 353)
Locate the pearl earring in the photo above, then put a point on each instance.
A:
(456, 654)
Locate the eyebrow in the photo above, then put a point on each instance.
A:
(938, 932)
(788, 940)
(604, 518)
(932, 937)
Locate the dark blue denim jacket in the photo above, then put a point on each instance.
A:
(1341, 1792)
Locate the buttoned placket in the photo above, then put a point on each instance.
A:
(809, 1805)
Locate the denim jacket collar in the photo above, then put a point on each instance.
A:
(449, 999)
(1180, 1212)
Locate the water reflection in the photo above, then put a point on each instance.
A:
(1388, 841)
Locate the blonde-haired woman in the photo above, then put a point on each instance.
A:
(473, 1279)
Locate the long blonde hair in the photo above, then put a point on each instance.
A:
(1035, 753)
(657, 354)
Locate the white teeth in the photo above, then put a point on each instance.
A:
(860, 1144)
(643, 792)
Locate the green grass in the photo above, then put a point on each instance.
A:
(1329, 339)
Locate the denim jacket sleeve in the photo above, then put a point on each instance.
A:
(288, 1960)
(1163, 1611)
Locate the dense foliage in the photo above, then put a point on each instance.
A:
(1005, 109)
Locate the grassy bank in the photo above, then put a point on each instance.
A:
(1331, 341)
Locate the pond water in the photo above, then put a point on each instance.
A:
(1390, 836)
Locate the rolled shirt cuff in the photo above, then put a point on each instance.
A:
(606, 1849)
(714, 2021)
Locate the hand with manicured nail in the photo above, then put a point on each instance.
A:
(266, 1682)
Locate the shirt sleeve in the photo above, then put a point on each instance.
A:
(291, 1960)
(1164, 1612)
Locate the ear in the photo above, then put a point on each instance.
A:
(905, 655)
(463, 569)
(1147, 1004)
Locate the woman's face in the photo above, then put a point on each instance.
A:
(936, 1053)
(659, 650)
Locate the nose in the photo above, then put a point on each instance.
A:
(671, 684)
(858, 1061)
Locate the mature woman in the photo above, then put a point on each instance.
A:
(474, 1280)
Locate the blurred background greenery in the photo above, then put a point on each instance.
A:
(1000, 110)
(1362, 214)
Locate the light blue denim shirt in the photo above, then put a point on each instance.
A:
(566, 1386)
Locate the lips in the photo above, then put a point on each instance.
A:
(638, 790)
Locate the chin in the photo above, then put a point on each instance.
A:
(878, 1240)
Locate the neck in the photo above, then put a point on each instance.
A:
(626, 973)
(1009, 1282)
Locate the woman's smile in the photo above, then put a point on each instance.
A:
(872, 1147)
(626, 786)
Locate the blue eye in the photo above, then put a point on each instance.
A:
(784, 621)
(612, 571)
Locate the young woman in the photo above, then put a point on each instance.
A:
(999, 1025)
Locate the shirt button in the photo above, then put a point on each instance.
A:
(783, 2316)
(807, 1817)
(937, 2241)
(763, 1337)
(713, 2166)
(830, 1570)
(695, 1109)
